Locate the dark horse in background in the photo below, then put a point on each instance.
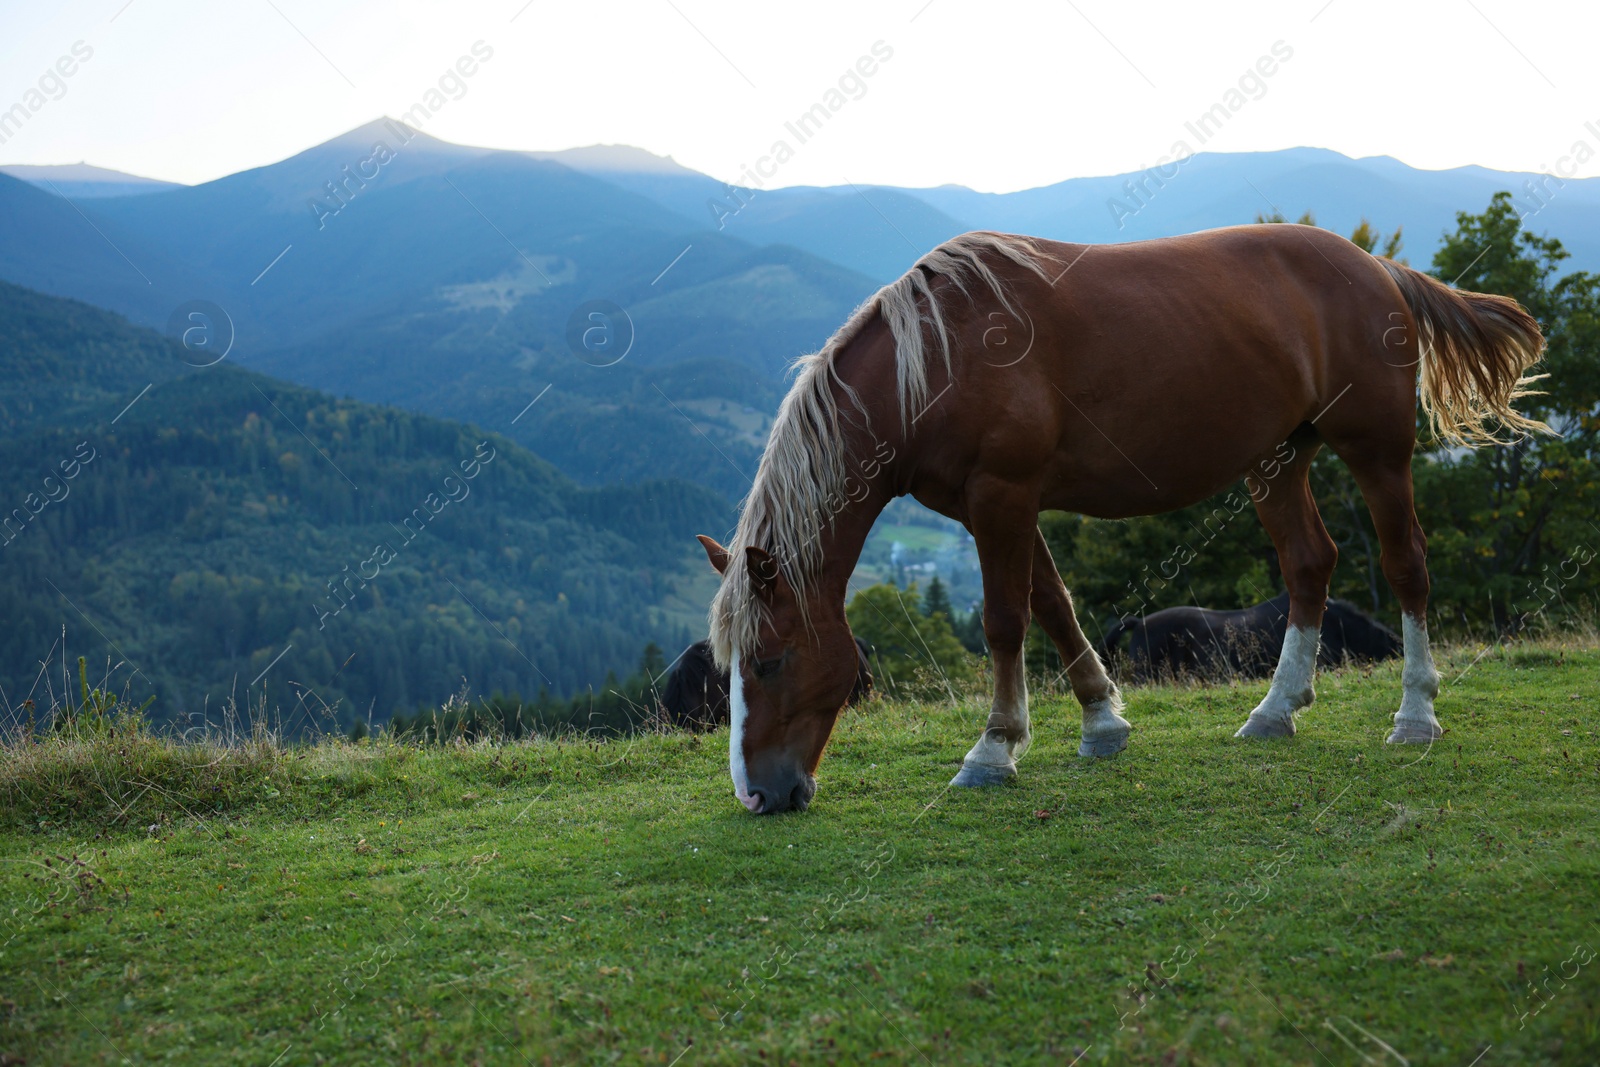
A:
(1002, 376)
(696, 695)
(1243, 643)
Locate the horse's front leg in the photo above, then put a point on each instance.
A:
(1003, 523)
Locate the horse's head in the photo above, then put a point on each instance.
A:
(785, 693)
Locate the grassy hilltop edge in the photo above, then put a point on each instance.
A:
(1196, 899)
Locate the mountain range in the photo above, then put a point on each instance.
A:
(396, 268)
(84, 182)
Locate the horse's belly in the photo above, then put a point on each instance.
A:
(1112, 482)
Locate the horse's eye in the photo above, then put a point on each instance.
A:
(765, 667)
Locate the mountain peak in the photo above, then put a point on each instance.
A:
(387, 128)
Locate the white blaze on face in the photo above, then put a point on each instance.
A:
(736, 716)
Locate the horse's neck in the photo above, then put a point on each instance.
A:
(846, 536)
(876, 460)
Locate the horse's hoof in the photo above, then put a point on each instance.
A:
(974, 775)
(1105, 732)
(1104, 745)
(1415, 733)
(1264, 726)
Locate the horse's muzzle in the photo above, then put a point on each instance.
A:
(785, 792)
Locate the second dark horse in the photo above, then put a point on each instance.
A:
(1245, 642)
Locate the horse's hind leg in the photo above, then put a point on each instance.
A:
(1105, 731)
(1306, 555)
(1386, 487)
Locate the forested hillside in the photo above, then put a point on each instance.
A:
(232, 534)
(62, 360)
(459, 282)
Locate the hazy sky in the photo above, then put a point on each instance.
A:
(996, 95)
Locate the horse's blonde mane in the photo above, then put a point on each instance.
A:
(801, 479)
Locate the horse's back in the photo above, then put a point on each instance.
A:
(1159, 372)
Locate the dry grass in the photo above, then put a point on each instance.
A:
(120, 773)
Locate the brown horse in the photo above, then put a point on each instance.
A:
(1003, 375)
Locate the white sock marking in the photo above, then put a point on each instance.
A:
(1103, 717)
(1297, 666)
(1291, 687)
(1419, 678)
(992, 750)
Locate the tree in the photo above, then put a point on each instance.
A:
(914, 654)
(653, 661)
(938, 601)
(969, 631)
(1197, 555)
(1365, 236)
(1512, 527)
(1307, 219)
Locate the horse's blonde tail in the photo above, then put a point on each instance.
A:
(1475, 349)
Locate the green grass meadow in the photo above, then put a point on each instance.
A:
(1195, 900)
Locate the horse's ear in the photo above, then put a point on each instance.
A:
(764, 573)
(714, 552)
